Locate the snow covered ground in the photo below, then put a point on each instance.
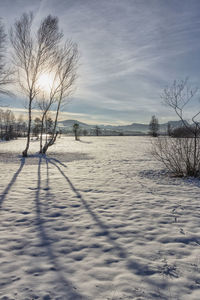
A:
(97, 219)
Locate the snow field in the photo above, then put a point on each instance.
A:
(96, 219)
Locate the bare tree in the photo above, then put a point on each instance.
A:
(153, 126)
(85, 132)
(180, 155)
(37, 127)
(75, 129)
(177, 96)
(7, 125)
(169, 129)
(97, 131)
(32, 56)
(65, 67)
(5, 73)
(20, 125)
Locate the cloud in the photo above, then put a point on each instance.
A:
(129, 51)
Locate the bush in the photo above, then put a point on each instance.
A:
(181, 156)
(181, 153)
(181, 132)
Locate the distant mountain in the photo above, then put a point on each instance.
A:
(135, 127)
(132, 128)
(70, 123)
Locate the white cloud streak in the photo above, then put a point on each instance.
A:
(129, 49)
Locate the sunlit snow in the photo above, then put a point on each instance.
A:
(96, 219)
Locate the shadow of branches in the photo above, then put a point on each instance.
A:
(132, 265)
(12, 182)
(46, 241)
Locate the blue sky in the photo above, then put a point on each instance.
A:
(129, 51)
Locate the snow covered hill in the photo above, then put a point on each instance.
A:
(134, 127)
(96, 219)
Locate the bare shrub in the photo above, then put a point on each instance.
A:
(180, 155)
(181, 132)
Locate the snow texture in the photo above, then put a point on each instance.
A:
(96, 219)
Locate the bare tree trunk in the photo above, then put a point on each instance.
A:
(195, 151)
(42, 128)
(50, 143)
(76, 134)
(54, 132)
(25, 152)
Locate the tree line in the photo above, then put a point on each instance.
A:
(10, 126)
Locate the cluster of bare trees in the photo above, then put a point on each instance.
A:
(34, 55)
(43, 128)
(181, 155)
(10, 127)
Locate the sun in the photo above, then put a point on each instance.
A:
(45, 82)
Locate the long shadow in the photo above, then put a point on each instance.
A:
(47, 188)
(11, 183)
(47, 175)
(56, 160)
(84, 142)
(66, 285)
(132, 265)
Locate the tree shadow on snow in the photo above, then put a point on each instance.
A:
(64, 284)
(12, 182)
(84, 142)
(133, 266)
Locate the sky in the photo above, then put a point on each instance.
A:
(129, 51)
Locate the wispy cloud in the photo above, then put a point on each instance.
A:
(129, 51)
